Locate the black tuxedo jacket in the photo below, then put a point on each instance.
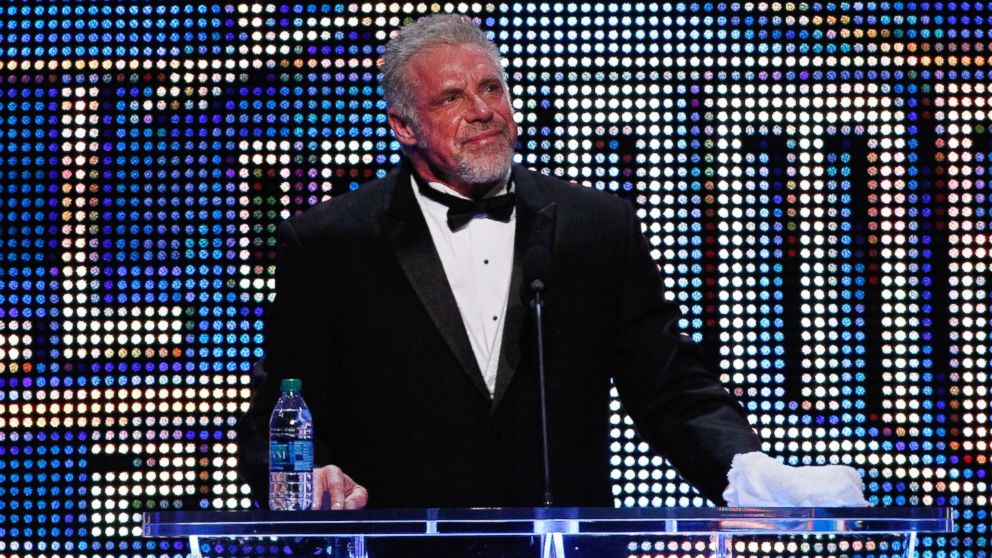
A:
(364, 315)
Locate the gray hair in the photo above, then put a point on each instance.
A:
(427, 32)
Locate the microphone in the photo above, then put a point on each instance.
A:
(537, 270)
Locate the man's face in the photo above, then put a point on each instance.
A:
(462, 133)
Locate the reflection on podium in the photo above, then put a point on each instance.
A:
(552, 532)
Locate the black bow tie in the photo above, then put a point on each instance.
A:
(461, 211)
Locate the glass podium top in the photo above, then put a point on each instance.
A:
(447, 522)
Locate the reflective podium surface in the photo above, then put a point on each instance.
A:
(354, 533)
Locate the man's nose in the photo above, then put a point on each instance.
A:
(479, 109)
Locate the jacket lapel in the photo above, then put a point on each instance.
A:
(535, 226)
(407, 230)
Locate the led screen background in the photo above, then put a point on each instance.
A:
(813, 178)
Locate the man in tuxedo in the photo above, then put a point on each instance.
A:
(405, 308)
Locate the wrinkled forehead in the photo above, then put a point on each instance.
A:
(447, 65)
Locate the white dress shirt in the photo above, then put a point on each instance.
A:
(478, 262)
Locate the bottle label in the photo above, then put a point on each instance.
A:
(293, 456)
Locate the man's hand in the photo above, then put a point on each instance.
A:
(334, 490)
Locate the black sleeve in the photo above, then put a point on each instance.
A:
(677, 405)
(297, 345)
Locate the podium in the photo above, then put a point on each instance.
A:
(347, 533)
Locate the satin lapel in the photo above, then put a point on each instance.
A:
(536, 220)
(407, 230)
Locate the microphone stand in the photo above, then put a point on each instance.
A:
(538, 304)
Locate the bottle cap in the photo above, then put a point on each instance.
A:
(291, 384)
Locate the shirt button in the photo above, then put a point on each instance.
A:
(485, 262)
(494, 318)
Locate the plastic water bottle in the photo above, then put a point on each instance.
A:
(290, 450)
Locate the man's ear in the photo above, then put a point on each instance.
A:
(401, 128)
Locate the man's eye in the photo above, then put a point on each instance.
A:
(449, 99)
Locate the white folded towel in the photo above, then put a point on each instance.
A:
(758, 480)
